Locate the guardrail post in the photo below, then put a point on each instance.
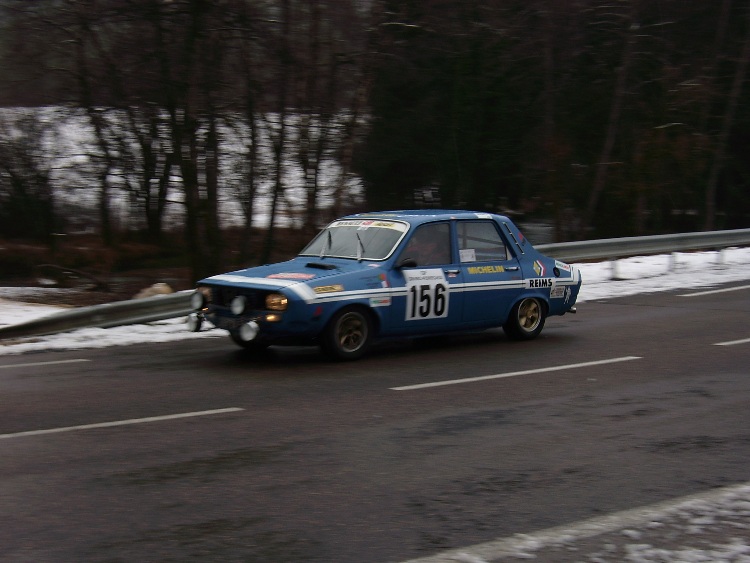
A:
(672, 262)
(613, 269)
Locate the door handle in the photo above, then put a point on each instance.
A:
(511, 268)
(453, 272)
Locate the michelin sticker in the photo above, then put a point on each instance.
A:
(426, 294)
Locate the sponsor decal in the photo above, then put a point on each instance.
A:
(291, 276)
(540, 283)
(367, 223)
(384, 281)
(328, 288)
(562, 266)
(427, 294)
(485, 269)
(467, 255)
(539, 268)
(558, 292)
(380, 301)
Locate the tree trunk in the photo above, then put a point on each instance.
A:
(613, 124)
(721, 143)
(279, 139)
(97, 122)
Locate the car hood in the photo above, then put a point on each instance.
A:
(305, 275)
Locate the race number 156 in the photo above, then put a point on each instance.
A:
(426, 294)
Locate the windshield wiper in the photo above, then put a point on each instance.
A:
(327, 245)
(360, 248)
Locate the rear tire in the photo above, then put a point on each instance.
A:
(526, 319)
(348, 334)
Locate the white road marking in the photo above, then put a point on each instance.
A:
(514, 374)
(523, 543)
(119, 423)
(712, 291)
(733, 342)
(37, 364)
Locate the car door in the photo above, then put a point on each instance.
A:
(427, 293)
(492, 275)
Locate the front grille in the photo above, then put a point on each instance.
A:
(222, 296)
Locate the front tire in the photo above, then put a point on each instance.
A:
(526, 319)
(348, 334)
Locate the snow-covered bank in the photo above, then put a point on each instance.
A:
(644, 274)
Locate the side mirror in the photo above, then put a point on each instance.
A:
(406, 263)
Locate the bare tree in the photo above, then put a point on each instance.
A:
(27, 205)
(733, 100)
(276, 123)
(613, 121)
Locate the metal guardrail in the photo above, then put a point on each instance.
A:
(161, 307)
(613, 248)
(119, 313)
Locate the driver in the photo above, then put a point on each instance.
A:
(425, 248)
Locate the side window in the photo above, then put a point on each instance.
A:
(479, 241)
(429, 245)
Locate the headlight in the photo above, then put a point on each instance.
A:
(276, 302)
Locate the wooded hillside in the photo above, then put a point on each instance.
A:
(625, 117)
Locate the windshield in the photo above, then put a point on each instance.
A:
(370, 239)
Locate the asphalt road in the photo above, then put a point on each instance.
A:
(195, 451)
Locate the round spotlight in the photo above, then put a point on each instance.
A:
(197, 300)
(238, 304)
(249, 331)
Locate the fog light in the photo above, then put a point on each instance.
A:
(272, 318)
(238, 304)
(249, 331)
(194, 322)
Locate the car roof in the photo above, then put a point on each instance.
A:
(419, 216)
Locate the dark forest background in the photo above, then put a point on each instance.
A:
(598, 118)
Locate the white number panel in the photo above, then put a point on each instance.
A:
(427, 294)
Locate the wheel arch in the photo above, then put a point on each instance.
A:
(375, 317)
(516, 328)
(349, 332)
(544, 299)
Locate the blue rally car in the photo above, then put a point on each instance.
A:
(392, 274)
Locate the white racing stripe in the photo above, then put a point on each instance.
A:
(37, 364)
(119, 423)
(712, 291)
(514, 374)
